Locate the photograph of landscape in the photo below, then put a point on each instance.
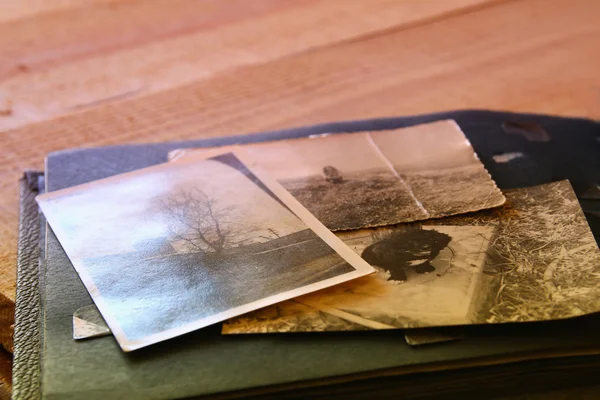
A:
(378, 178)
(177, 247)
(340, 179)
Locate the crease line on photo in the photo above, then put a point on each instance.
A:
(391, 167)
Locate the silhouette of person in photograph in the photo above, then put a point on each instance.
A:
(412, 248)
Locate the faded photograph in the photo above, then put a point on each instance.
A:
(369, 179)
(176, 247)
(533, 259)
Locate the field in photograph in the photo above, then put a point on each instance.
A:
(369, 198)
(454, 191)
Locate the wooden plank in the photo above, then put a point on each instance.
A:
(515, 64)
(12, 10)
(54, 63)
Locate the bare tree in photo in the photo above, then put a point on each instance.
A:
(203, 224)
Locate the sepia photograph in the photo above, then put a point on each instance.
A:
(341, 180)
(379, 178)
(534, 259)
(545, 261)
(173, 248)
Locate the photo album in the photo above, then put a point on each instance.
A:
(392, 229)
(408, 254)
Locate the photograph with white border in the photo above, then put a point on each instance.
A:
(172, 248)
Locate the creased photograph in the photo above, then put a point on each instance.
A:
(369, 179)
(173, 248)
(440, 167)
(534, 259)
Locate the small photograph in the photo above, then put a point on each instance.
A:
(176, 247)
(534, 259)
(370, 179)
(341, 179)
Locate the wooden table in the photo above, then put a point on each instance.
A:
(94, 72)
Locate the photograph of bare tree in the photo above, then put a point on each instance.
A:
(534, 259)
(173, 248)
(369, 179)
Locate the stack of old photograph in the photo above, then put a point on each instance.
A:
(395, 229)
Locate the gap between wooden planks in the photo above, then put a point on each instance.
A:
(508, 55)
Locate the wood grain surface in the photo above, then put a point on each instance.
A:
(79, 73)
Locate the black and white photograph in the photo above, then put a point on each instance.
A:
(425, 277)
(379, 178)
(533, 259)
(176, 247)
(341, 179)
